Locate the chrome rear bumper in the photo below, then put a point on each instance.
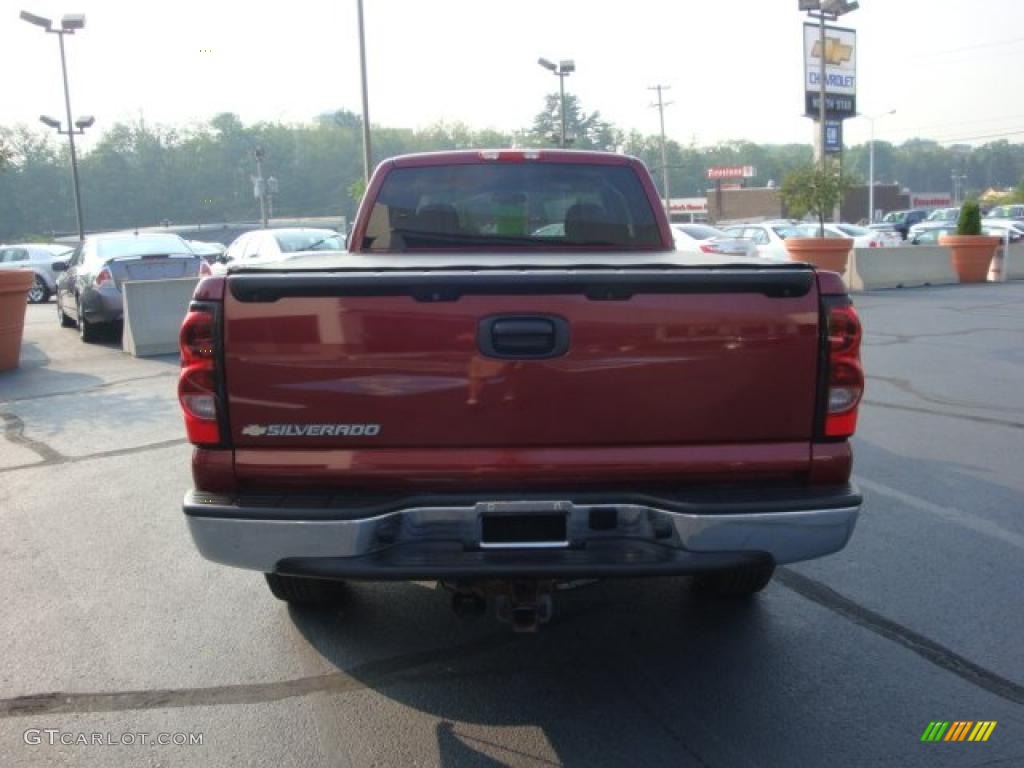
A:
(410, 539)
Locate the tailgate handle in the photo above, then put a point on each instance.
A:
(523, 337)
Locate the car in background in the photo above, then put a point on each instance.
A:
(701, 238)
(209, 251)
(38, 257)
(862, 236)
(900, 221)
(931, 235)
(89, 281)
(266, 245)
(1015, 212)
(768, 236)
(1005, 229)
(940, 217)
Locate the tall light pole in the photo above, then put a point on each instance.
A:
(871, 162)
(664, 155)
(260, 186)
(68, 24)
(562, 70)
(366, 98)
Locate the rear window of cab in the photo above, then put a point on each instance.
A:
(531, 206)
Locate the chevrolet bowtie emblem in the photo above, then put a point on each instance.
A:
(835, 52)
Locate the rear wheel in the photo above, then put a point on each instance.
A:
(65, 321)
(87, 332)
(297, 590)
(737, 582)
(38, 293)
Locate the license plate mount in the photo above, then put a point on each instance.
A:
(519, 525)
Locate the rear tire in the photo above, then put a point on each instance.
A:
(38, 293)
(737, 582)
(65, 321)
(87, 332)
(300, 591)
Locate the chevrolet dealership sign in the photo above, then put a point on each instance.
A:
(840, 53)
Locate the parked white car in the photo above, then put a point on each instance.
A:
(1007, 229)
(38, 257)
(701, 238)
(768, 236)
(862, 236)
(266, 245)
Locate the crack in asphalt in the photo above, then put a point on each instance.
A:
(14, 432)
(51, 458)
(947, 414)
(927, 649)
(87, 390)
(371, 674)
(905, 338)
(905, 385)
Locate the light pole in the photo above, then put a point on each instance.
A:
(562, 70)
(68, 24)
(871, 162)
(664, 155)
(366, 99)
(260, 186)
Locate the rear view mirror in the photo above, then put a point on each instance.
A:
(223, 258)
(59, 266)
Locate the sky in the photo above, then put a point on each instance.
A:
(950, 68)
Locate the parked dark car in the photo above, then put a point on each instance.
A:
(89, 282)
(900, 221)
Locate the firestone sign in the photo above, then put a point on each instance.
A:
(719, 172)
(931, 200)
(840, 53)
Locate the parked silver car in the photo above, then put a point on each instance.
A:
(38, 257)
(89, 285)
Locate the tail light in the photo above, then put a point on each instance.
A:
(103, 276)
(844, 377)
(198, 383)
(709, 248)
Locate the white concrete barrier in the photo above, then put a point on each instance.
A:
(903, 267)
(153, 313)
(1013, 262)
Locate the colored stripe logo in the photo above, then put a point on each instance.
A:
(959, 730)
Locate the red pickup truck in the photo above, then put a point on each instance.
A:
(512, 380)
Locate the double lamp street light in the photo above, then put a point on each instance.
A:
(68, 24)
(562, 70)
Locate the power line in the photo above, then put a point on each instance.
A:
(979, 46)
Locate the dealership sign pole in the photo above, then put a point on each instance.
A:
(839, 53)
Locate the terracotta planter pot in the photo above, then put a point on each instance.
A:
(828, 253)
(972, 255)
(14, 287)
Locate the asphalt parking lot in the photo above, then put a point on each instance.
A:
(112, 623)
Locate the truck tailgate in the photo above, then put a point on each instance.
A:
(672, 358)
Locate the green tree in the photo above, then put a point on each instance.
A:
(6, 155)
(813, 190)
(582, 130)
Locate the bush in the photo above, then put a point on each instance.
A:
(969, 222)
